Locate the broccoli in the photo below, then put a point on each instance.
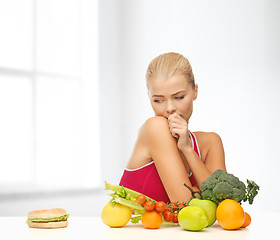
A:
(222, 185)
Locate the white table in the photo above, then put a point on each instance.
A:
(263, 225)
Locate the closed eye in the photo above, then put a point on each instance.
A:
(179, 98)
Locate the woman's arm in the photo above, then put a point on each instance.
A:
(214, 159)
(166, 156)
(212, 145)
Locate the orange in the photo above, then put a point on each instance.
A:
(230, 215)
(247, 220)
(151, 220)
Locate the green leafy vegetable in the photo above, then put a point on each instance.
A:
(222, 185)
(124, 192)
(136, 219)
(64, 217)
(129, 203)
(252, 191)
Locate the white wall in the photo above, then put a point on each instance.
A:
(110, 89)
(233, 47)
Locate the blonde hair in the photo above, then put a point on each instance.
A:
(169, 64)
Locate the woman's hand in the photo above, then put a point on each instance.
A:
(179, 129)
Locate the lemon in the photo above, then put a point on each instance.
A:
(117, 215)
(193, 218)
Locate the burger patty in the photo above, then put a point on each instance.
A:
(65, 219)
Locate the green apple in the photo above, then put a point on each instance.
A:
(193, 218)
(209, 206)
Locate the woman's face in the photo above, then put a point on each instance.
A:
(172, 95)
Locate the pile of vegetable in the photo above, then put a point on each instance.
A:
(220, 198)
(145, 208)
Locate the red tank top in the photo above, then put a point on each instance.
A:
(147, 181)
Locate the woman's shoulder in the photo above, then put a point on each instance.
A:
(155, 120)
(150, 131)
(153, 124)
(207, 136)
(208, 141)
(155, 129)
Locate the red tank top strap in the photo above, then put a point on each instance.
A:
(194, 143)
(192, 180)
(196, 149)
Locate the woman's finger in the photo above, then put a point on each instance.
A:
(178, 132)
(174, 134)
(176, 119)
(173, 125)
(173, 131)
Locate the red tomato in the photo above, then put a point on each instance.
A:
(141, 199)
(168, 216)
(181, 205)
(149, 206)
(160, 207)
(175, 218)
(173, 206)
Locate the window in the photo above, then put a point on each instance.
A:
(49, 128)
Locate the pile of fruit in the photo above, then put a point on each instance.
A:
(127, 205)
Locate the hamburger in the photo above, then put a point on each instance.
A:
(52, 218)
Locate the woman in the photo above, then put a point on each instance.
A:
(166, 154)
